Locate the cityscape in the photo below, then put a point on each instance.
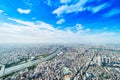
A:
(71, 62)
(59, 39)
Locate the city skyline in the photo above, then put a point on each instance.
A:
(62, 21)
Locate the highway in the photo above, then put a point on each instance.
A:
(28, 64)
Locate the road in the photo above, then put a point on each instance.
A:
(112, 76)
(85, 66)
(28, 64)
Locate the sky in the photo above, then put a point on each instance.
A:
(60, 21)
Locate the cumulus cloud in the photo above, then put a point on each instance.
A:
(41, 32)
(78, 27)
(60, 21)
(23, 11)
(112, 13)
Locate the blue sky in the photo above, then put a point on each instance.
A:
(60, 21)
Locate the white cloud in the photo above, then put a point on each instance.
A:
(98, 8)
(60, 10)
(112, 13)
(65, 1)
(1, 11)
(78, 27)
(71, 8)
(23, 11)
(60, 21)
(38, 24)
(41, 32)
(79, 7)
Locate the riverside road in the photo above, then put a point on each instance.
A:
(28, 64)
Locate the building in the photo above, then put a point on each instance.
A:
(66, 74)
(98, 60)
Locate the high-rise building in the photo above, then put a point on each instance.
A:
(98, 60)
